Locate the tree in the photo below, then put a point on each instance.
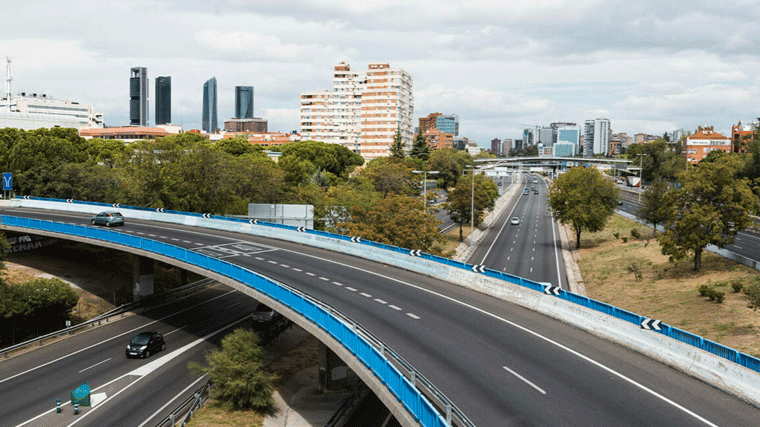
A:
(449, 163)
(713, 203)
(654, 208)
(236, 371)
(460, 200)
(584, 199)
(333, 158)
(395, 220)
(397, 147)
(420, 147)
(388, 175)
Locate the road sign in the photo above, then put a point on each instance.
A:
(7, 181)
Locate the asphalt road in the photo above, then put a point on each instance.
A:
(530, 249)
(501, 364)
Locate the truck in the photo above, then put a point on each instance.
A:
(633, 181)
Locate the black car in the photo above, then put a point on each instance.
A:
(145, 344)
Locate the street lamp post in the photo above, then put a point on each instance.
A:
(472, 208)
(424, 186)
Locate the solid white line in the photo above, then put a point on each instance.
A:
(112, 338)
(155, 414)
(540, 390)
(556, 252)
(178, 329)
(99, 363)
(413, 316)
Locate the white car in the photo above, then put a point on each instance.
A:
(515, 220)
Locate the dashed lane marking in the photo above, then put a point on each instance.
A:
(365, 295)
(380, 301)
(310, 274)
(272, 262)
(260, 258)
(297, 269)
(337, 283)
(413, 316)
(348, 288)
(395, 307)
(284, 266)
(324, 278)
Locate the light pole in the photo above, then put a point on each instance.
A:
(472, 208)
(424, 186)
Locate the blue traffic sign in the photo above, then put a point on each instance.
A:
(7, 181)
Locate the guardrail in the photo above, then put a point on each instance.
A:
(348, 333)
(182, 413)
(120, 310)
(724, 352)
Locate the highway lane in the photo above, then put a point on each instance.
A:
(490, 357)
(97, 356)
(530, 249)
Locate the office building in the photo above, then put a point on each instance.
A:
(244, 102)
(596, 137)
(252, 125)
(163, 100)
(448, 123)
(546, 136)
(138, 97)
(565, 149)
(528, 138)
(495, 146)
(506, 147)
(363, 111)
(702, 142)
(209, 121)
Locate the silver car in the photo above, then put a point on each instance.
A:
(108, 218)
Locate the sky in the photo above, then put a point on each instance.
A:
(648, 66)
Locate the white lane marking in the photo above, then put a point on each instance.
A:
(534, 249)
(381, 301)
(531, 269)
(97, 398)
(348, 288)
(162, 237)
(508, 258)
(199, 244)
(395, 307)
(540, 390)
(99, 363)
(273, 262)
(151, 235)
(556, 251)
(260, 258)
(284, 265)
(364, 294)
(483, 261)
(178, 329)
(175, 239)
(186, 241)
(738, 247)
(413, 316)
(531, 258)
(297, 269)
(112, 338)
(151, 367)
(337, 283)
(180, 394)
(324, 278)
(311, 274)
(141, 233)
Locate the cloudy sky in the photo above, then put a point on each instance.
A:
(649, 66)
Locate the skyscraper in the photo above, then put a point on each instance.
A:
(596, 138)
(209, 106)
(243, 102)
(138, 97)
(163, 100)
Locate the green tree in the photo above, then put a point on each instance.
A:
(654, 208)
(420, 147)
(712, 204)
(388, 175)
(449, 163)
(238, 146)
(333, 158)
(460, 200)
(397, 147)
(584, 199)
(240, 381)
(395, 220)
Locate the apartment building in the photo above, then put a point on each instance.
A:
(702, 142)
(363, 110)
(596, 137)
(438, 139)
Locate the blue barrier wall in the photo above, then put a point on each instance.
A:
(412, 399)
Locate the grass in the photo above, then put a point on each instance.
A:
(636, 276)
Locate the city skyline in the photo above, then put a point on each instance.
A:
(499, 67)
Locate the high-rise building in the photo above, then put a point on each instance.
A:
(447, 123)
(496, 146)
(528, 138)
(243, 102)
(506, 147)
(209, 122)
(363, 111)
(163, 100)
(596, 137)
(138, 97)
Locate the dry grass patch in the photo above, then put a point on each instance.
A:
(634, 275)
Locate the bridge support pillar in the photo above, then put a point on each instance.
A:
(334, 374)
(142, 277)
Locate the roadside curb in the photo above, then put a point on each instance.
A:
(572, 271)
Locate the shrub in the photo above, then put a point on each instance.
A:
(753, 295)
(711, 294)
(625, 240)
(635, 268)
(703, 290)
(635, 233)
(616, 234)
(719, 296)
(737, 286)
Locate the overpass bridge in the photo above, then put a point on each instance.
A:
(467, 355)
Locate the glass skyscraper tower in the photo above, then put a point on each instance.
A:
(138, 97)
(163, 100)
(209, 106)
(243, 102)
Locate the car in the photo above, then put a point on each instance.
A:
(515, 220)
(108, 218)
(145, 344)
(526, 192)
(263, 313)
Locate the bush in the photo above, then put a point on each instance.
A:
(737, 286)
(616, 234)
(635, 233)
(719, 296)
(753, 295)
(703, 290)
(237, 374)
(635, 268)
(625, 240)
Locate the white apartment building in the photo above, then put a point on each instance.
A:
(362, 112)
(596, 137)
(32, 111)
